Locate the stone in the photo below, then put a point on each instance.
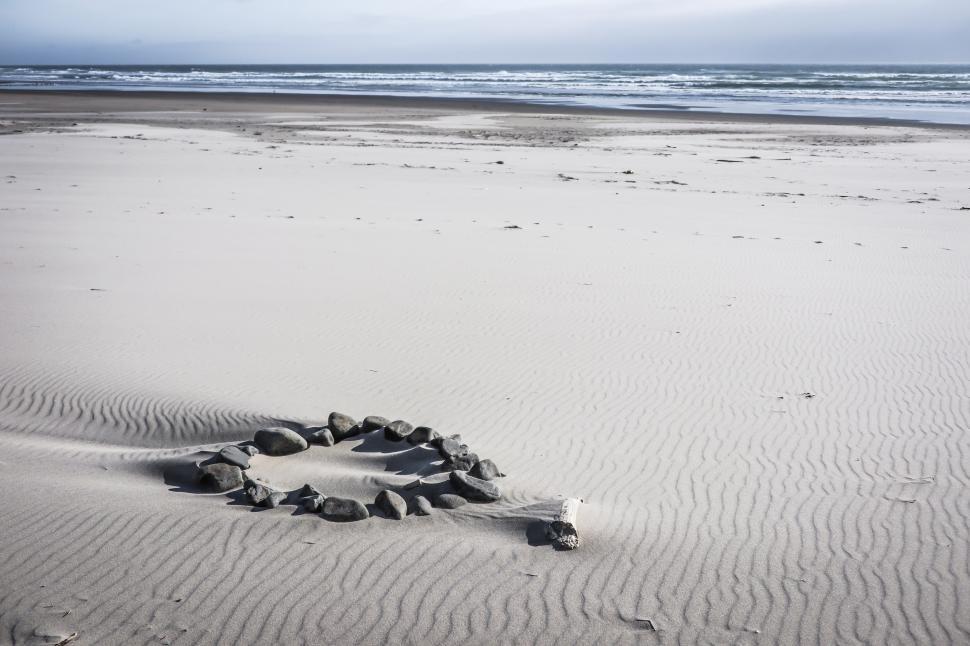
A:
(344, 509)
(235, 456)
(391, 504)
(322, 436)
(422, 435)
(280, 441)
(485, 470)
(249, 449)
(461, 463)
(312, 504)
(449, 501)
(309, 490)
(422, 506)
(342, 426)
(452, 448)
(397, 430)
(437, 441)
(220, 477)
(374, 423)
(257, 492)
(275, 499)
(474, 488)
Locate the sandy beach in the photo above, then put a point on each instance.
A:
(743, 342)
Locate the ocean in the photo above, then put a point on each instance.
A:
(932, 93)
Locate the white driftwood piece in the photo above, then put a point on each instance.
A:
(562, 530)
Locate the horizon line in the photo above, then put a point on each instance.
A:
(484, 64)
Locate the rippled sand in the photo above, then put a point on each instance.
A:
(750, 356)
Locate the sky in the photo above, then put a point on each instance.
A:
(484, 31)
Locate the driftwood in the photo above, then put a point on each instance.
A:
(562, 530)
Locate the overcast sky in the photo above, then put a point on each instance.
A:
(499, 31)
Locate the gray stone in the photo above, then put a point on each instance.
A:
(279, 441)
(438, 439)
(452, 448)
(220, 477)
(391, 504)
(449, 501)
(235, 456)
(422, 506)
(322, 436)
(312, 504)
(397, 430)
(474, 488)
(422, 435)
(342, 426)
(461, 463)
(309, 490)
(485, 470)
(374, 423)
(344, 509)
(275, 499)
(249, 449)
(257, 492)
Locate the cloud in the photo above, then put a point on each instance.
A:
(474, 31)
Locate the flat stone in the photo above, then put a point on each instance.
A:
(461, 463)
(449, 501)
(485, 470)
(235, 456)
(422, 435)
(280, 441)
(249, 449)
(391, 504)
(344, 509)
(342, 426)
(322, 436)
(474, 488)
(257, 492)
(422, 506)
(312, 504)
(374, 423)
(220, 477)
(397, 430)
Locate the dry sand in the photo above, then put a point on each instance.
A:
(755, 372)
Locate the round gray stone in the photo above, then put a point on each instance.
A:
(461, 463)
(422, 435)
(422, 506)
(342, 426)
(275, 499)
(374, 423)
(474, 488)
(280, 441)
(485, 470)
(220, 477)
(449, 501)
(257, 493)
(344, 509)
(321, 436)
(397, 430)
(391, 504)
(452, 448)
(312, 504)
